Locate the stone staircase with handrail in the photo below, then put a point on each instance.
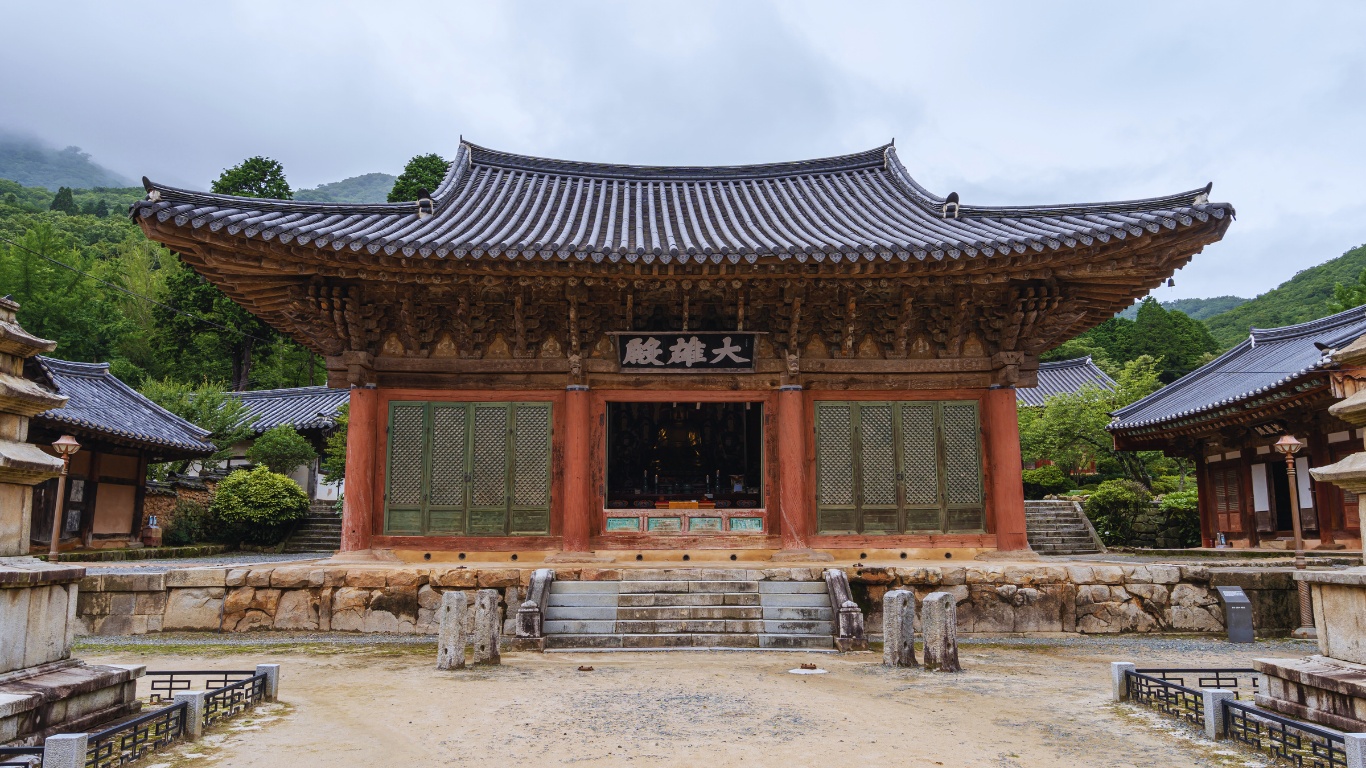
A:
(1057, 527)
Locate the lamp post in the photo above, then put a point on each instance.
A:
(66, 446)
(1288, 446)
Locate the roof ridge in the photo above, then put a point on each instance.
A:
(75, 366)
(314, 388)
(1071, 362)
(1308, 327)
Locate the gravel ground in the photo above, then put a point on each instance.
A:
(161, 566)
(377, 700)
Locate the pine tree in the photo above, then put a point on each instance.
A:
(64, 202)
(423, 172)
(255, 177)
(102, 208)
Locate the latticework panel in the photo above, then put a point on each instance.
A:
(407, 429)
(531, 457)
(919, 456)
(448, 455)
(489, 487)
(962, 455)
(834, 454)
(878, 468)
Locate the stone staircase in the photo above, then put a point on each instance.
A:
(320, 532)
(689, 608)
(1060, 528)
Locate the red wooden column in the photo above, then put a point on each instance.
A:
(1005, 487)
(362, 432)
(578, 511)
(1323, 507)
(794, 517)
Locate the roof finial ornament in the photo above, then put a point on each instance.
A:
(153, 194)
(1203, 196)
(425, 207)
(951, 203)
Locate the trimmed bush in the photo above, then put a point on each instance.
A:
(1182, 509)
(190, 522)
(281, 450)
(1045, 481)
(1114, 506)
(258, 506)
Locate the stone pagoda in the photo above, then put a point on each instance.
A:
(42, 689)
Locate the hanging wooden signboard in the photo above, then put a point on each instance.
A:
(684, 351)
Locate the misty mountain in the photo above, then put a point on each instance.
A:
(368, 188)
(34, 164)
(1198, 309)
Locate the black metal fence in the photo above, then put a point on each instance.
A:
(1168, 697)
(166, 684)
(130, 740)
(233, 698)
(16, 757)
(1285, 740)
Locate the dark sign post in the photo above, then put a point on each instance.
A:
(680, 352)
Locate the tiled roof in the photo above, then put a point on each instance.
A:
(1267, 359)
(1060, 377)
(300, 407)
(498, 205)
(103, 406)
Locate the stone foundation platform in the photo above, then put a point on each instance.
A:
(404, 598)
(66, 696)
(1317, 689)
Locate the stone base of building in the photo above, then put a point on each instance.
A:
(65, 696)
(1317, 689)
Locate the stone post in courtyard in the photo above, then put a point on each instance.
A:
(42, 689)
(488, 627)
(898, 628)
(939, 617)
(450, 639)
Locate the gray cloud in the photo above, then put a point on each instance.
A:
(1004, 102)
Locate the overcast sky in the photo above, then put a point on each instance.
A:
(1005, 103)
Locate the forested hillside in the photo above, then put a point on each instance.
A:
(1176, 342)
(368, 188)
(1304, 297)
(28, 162)
(1196, 309)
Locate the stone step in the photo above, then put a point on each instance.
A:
(685, 613)
(687, 574)
(579, 627)
(777, 613)
(792, 627)
(580, 613)
(583, 587)
(690, 627)
(813, 642)
(581, 600)
(796, 601)
(640, 587)
(793, 587)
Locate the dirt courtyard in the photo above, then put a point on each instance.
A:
(1020, 702)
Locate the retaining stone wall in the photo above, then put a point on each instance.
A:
(1091, 599)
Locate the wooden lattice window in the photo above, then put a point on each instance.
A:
(898, 467)
(479, 469)
(1228, 509)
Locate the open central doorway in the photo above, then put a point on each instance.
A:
(678, 466)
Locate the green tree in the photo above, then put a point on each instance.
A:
(64, 202)
(208, 406)
(333, 465)
(1348, 295)
(281, 449)
(255, 177)
(1070, 429)
(222, 349)
(423, 172)
(258, 505)
(102, 208)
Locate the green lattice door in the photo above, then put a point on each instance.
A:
(893, 467)
(468, 468)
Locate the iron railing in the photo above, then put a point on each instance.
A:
(1170, 698)
(130, 740)
(234, 698)
(166, 684)
(15, 757)
(1283, 739)
(1244, 681)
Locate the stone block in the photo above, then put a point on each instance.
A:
(922, 576)
(487, 627)
(408, 577)
(150, 603)
(898, 628)
(372, 579)
(238, 600)
(500, 577)
(196, 577)
(294, 578)
(297, 609)
(349, 605)
(1165, 574)
(600, 574)
(265, 601)
(1155, 595)
(134, 582)
(1194, 573)
(1107, 574)
(458, 578)
(259, 577)
(873, 576)
(1092, 593)
(953, 575)
(1137, 574)
(428, 598)
(93, 603)
(236, 577)
(251, 620)
(1081, 574)
(941, 633)
(985, 574)
(194, 609)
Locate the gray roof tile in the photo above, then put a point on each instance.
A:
(499, 205)
(300, 407)
(1268, 358)
(1063, 376)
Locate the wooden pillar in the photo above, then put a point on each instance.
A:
(362, 443)
(139, 497)
(1321, 492)
(793, 513)
(578, 496)
(1205, 500)
(1005, 487)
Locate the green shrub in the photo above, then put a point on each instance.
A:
(258, 506)
(1113, 508)
(1182, 509)
(1044, 481)
(190, 522)
(281, 450)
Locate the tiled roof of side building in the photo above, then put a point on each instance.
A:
(499, 205)
(1268, 358)
(1063, 376)
(102, 405)
(300, 407)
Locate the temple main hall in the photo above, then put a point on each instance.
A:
(552, 359)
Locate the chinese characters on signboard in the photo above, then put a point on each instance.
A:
(724, 350)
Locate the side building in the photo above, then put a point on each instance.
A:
(120, 433)
(802, 359)
(311, 411)
(1226, 415)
